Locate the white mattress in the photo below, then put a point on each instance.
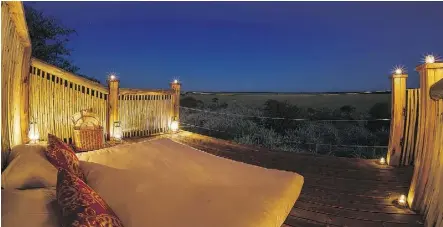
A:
(162, 183)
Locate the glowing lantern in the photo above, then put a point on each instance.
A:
(429, 59)
(175, 81)
(118, 132)
(174, 126)
(398, 71)
(112, 77)
(382, 160)
(33, 134)
(402, 200)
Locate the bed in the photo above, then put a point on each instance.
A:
(161, 182)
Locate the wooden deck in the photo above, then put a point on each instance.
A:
(337, 191)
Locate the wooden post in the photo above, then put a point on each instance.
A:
(398, 97)
(113, 84)
(24, 118)
(426, 152)
(175, 86)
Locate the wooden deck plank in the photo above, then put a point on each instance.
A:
(337, 191)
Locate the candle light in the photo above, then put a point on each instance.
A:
(174, 126)
(429, 58)
(33, 134)
(402, 200)
(112, 77)
(118, 133)
(399, 70)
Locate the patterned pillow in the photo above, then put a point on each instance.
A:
(82, 206)
(61, 155)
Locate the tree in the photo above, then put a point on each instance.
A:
(49, 39)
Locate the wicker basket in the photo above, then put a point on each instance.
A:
(86, 139)
(88, 134)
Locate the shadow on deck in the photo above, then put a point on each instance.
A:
(337, 191)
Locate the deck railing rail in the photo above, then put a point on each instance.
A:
(145, 112)
(56, 95)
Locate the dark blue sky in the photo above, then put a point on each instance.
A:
(251, 46)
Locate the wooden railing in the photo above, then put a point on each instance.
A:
(16, 52)
(56, 95)
(411, 116)
(145, 112)
(417, 139)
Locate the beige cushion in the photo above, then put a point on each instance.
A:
(28, 168)
(32, 207)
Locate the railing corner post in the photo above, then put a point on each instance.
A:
(175, 87)
(398, 103)
(113, 115)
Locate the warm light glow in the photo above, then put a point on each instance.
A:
(402, 200)
(175, 81)
(112, 77)
(33, 134)
(399, 70)
(118, 133)
(382, 160)
(429, 58)
(174, 126)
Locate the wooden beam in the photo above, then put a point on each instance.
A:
(54, 70)
(176, 86)
(113, 115)
(17, 14)
(132, 91)
(397, 119)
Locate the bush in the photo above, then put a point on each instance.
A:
(190, 102)
(236, 122)
(380, 110)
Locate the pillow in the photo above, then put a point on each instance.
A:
(80, 205)
(61, 155)
(28, 168)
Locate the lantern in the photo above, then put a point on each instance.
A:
(33, 134)
(382, 160)
(174, 126)
(402, 200)
(118, 133)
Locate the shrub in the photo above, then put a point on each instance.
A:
(190, 102)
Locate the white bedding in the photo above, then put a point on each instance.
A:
(31, 207)
(162, 183)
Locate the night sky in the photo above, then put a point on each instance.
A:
(251, 46)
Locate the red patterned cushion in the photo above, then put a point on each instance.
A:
(82, 206)
(61, 155)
